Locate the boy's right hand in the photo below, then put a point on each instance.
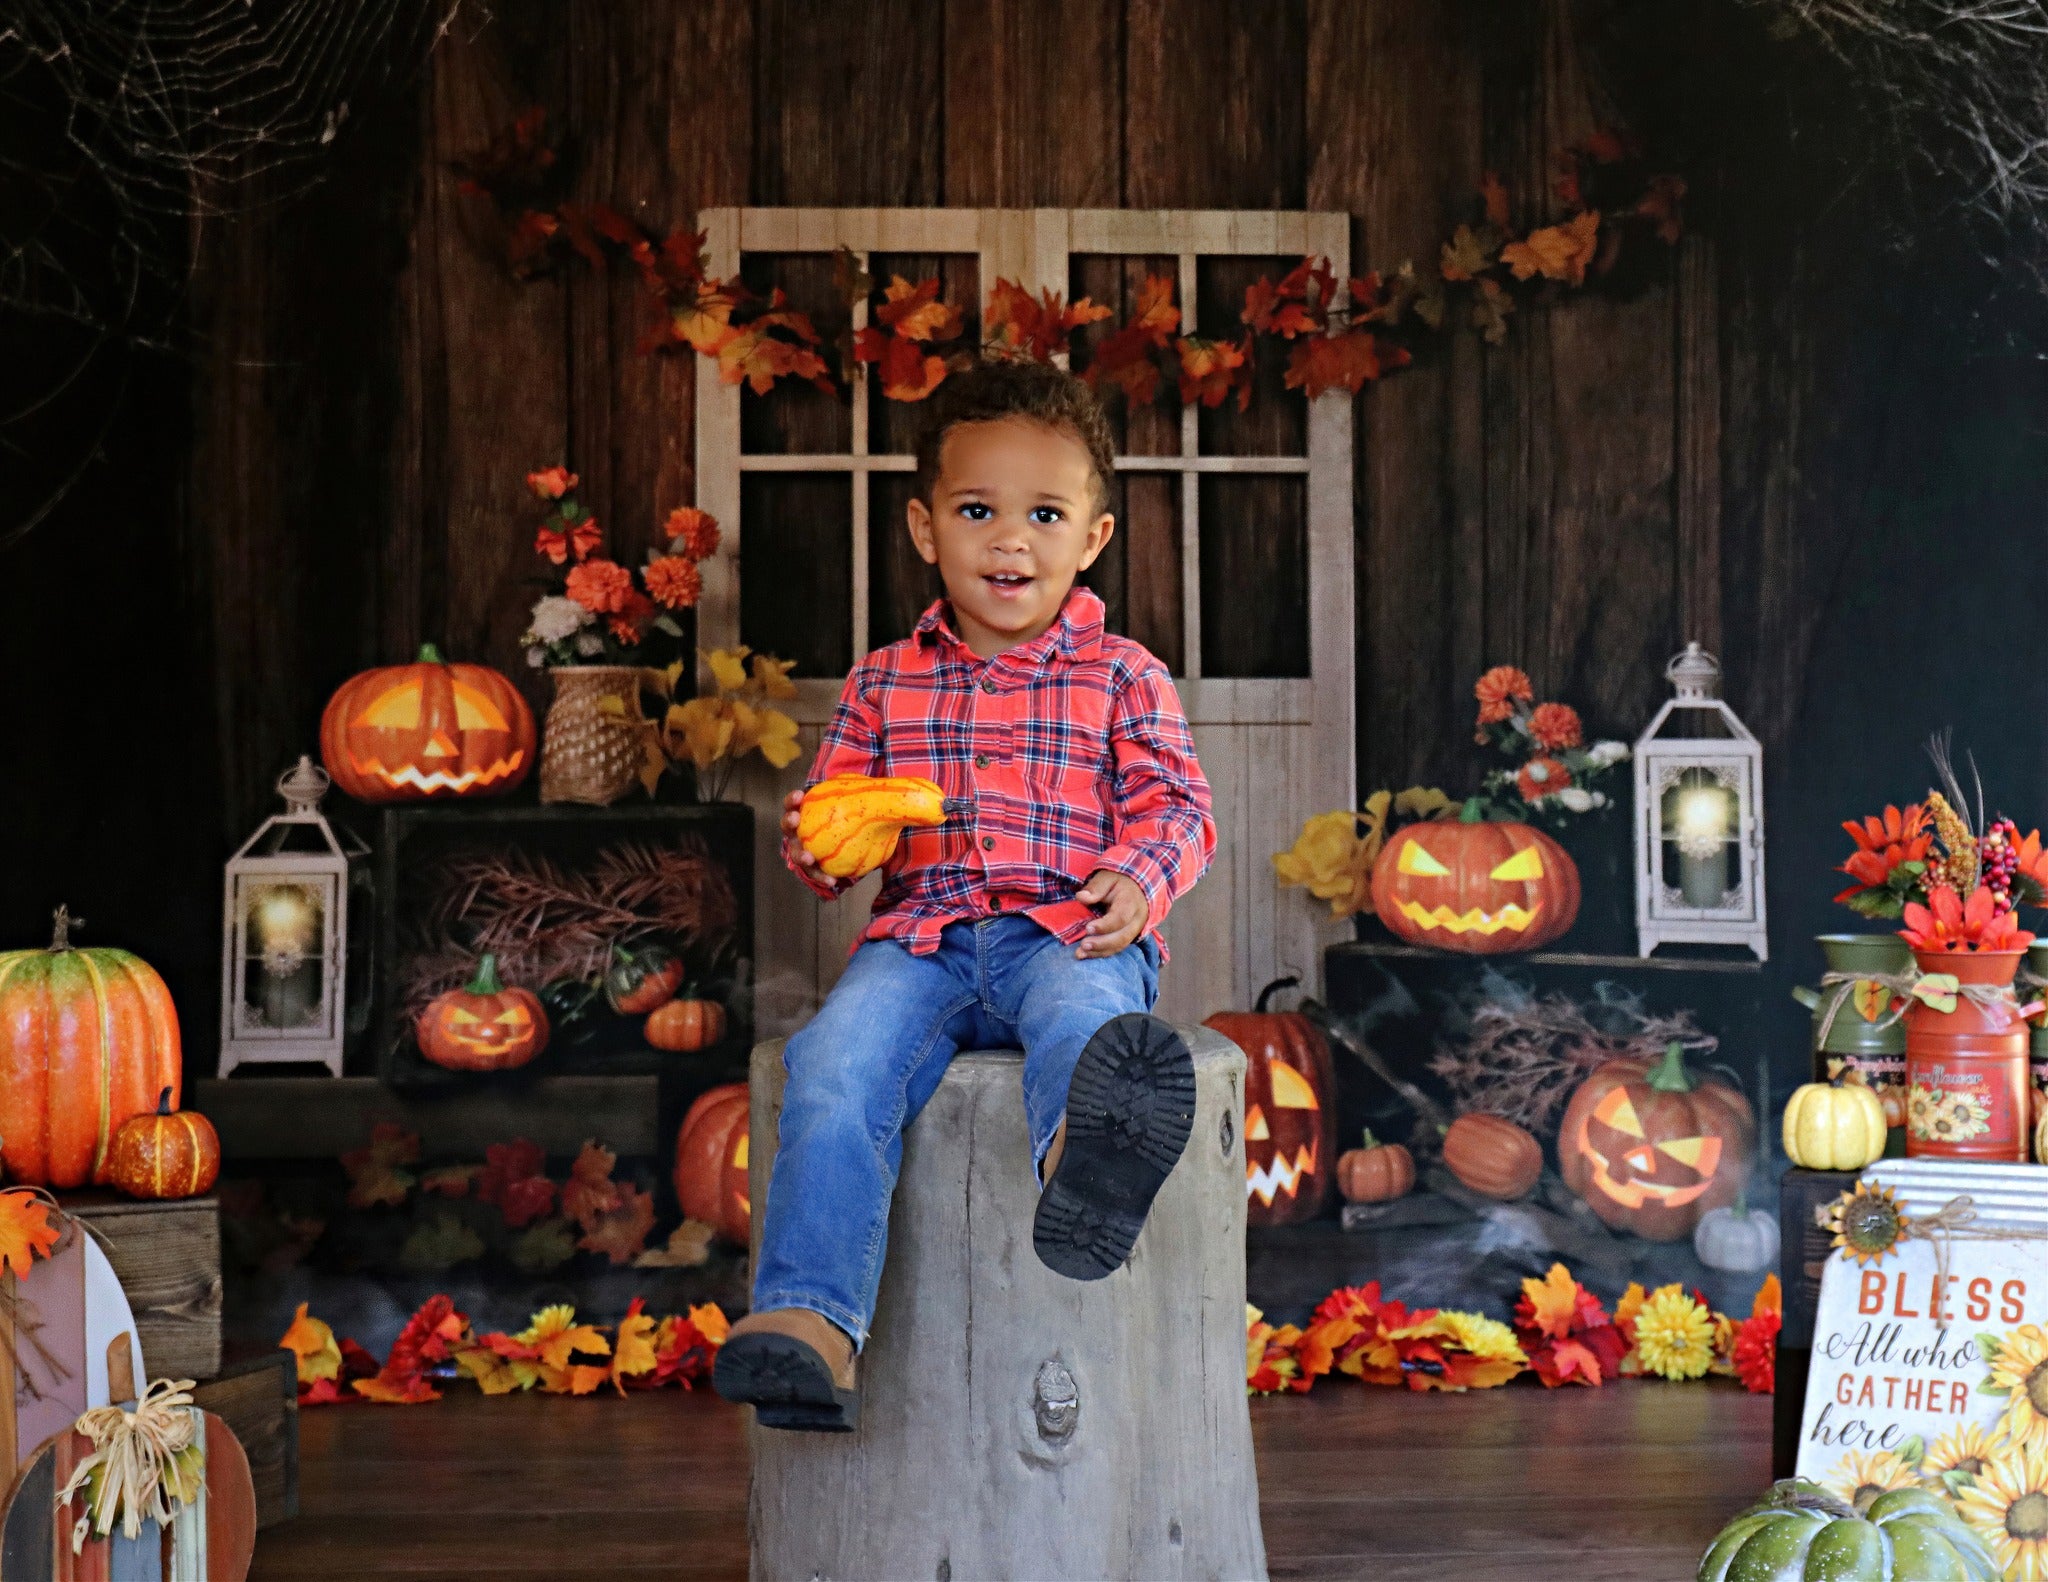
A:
(791, 806)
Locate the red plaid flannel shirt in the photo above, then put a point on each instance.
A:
(1074, 750)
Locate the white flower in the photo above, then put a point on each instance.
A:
(556, 620)
(536, 656)
(589, 644)
(1538, 770)
(1601, 754)
(1599, 799)
(1577, 798)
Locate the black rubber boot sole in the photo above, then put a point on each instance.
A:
(787, 1384)
(1129, 1111)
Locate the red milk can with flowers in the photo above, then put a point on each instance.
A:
(1966, 1037)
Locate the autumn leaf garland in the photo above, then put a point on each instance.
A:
(1336, 336)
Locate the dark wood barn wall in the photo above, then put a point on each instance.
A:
(1578, 501)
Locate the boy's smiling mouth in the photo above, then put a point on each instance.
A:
(1007, 583)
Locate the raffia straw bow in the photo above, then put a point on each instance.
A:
(142, 1461)
(1903, 987)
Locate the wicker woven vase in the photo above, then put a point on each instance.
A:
(589, 753)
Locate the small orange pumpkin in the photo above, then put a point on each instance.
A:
(1376, 1172)
(167, 1154)
(711, 1162)
(483, 1026)
(640, 980)
(851, 823)
(1492, 1156)
(427, 731)
(684, 1025)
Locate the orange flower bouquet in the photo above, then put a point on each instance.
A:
(598, 611)
(1554, 772)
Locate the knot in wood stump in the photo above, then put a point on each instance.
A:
(1057, 1402)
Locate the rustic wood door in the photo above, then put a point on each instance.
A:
(1251, 541)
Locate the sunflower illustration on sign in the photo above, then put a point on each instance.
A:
(1867, 1223)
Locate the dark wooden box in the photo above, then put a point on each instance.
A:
(414, 846)
(1805, 1246)
(167, 1258)
(259, 1399)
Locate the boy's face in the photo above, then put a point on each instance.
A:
(1010, 525)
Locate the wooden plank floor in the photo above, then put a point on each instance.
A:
(1624, 1484)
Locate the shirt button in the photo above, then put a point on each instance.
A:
(995, 903)
(982, 760)
(988, 843)
(988, 684)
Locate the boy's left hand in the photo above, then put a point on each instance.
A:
(1123, 913)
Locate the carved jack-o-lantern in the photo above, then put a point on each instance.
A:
(711, 1162)
(1484, 889)
(483, 1026)
(408, 733)
(1652, 1149)
(1290, 1122)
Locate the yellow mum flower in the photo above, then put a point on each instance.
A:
(2022, 1368)
(1674, 1335)
(1962, 1453)
(1496, 1355)
(728, 667)
(1334, 862)
(2007, 1504)
(1859, 1479)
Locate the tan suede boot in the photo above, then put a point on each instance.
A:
(796, 1368)
(1053, 1150)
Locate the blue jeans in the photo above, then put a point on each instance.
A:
(872, 1058)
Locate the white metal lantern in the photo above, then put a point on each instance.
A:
(283, 962)
(1699, 818)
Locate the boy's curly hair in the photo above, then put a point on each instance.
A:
(1000, 387)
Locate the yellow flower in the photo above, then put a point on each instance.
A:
(706, 725)
(2007, 1504)
(312, 1341)
(1497, 1355)
(1674, 1335)
(555, 1331)
(771, 675)
(1961, 1453)
(1868, 1222)
(1333, 861)
(728, 667)
(1859, 1479)
(2021, 1367)
(768, 729)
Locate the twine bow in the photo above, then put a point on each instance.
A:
(142, 1461)
(1937, 990)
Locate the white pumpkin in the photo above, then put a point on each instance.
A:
(1738, 1238)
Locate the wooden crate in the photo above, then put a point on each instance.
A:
(259, 1399)
(167, 1258)
(1805, 1246)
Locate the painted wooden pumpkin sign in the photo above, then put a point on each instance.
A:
(1652, 1148)
(1484, 889)
(711, 1162)
(410, 733)
(87, 1039)
(483, 1026)
(1290, 1121)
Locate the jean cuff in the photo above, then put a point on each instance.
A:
(766, 1301)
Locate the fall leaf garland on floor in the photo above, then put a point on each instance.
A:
(1561, 1332)
(1337, 335)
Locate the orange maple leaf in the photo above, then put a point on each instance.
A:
(590, 1190)
(25, 1230)
(412, 1390)
(1556, 252)
(908, 372)
(1039, 327)
(1770, 1297)
(633, 1352)
(312, 1342)
(1209, 370)
(555, 1337)
(1495, 197)
(621, 1233)
(374, 1171)
(1464, 255)
(915, 313)
(1156, 317)
(1343, 361)
(706, 320)
(451, 1180)
(1553, 1301)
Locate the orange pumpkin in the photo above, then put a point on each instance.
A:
(1290, 1121)
(851, 823)
(1492, 1156)
(88, 1038)
(684, 1026)
(483, 1026)
(170, 1153)
(639, 980)
(410, 733)
(1651, 1148)
(711, 1162)
(1483, 889)
(1376, 1172)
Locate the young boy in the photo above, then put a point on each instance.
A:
(1031, 919)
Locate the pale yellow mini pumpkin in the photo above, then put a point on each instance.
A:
(851, 823)
(1834, 1126)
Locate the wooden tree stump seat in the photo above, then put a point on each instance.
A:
(1016, 1424)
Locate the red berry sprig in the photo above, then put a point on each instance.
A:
(1998, 856)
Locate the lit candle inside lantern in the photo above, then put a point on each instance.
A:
(1701, 834)
(284, 929)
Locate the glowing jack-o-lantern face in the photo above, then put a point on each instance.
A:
(1480, 888)
(427, 730)
(1651, 1149)
(1290, 1126)
(483, 1026)
(711, 1162)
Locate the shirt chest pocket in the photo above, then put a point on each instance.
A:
(1062, 743)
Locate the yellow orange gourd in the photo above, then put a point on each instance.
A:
(1834, 1126)
(851, 823)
